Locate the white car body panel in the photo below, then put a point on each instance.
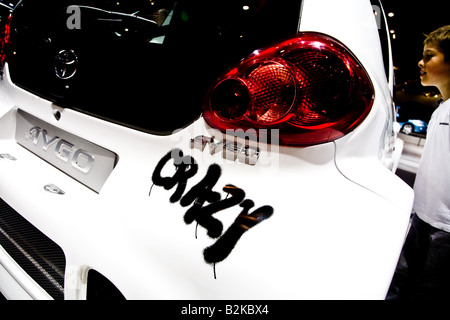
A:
(339, 219)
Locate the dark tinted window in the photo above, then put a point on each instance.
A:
(146, 64)
(9, 3)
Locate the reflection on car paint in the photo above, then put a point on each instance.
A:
(186, 167)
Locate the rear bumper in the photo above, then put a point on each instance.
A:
(15, 284)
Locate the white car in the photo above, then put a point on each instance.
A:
(198, 150)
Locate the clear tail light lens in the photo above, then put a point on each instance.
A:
(4, 39)
(311, 88)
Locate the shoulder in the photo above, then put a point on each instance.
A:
(442, 110)
(445, 103)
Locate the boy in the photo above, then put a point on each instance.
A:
(423, 271)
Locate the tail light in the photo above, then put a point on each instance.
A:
(4, 39)
(311, 88)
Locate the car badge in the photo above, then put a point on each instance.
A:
(66, 64)
(7, 156)
(53, 189)
(230, 150)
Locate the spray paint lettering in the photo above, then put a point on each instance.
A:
(204, 202)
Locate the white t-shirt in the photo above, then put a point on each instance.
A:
(432, 184)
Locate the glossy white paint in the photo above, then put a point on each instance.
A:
(339, 219)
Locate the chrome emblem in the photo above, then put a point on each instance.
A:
(230, 150)
(53, 189)
(81, 159)
(7, 156)
(63, 150)
(66, 64)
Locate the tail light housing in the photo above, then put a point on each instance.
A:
(310, 87)
(4, 39)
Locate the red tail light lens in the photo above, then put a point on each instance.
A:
(311, 88)
(4, 39)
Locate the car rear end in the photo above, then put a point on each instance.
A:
(197, 150)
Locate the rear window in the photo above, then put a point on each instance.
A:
(9, 3)
(144, 64)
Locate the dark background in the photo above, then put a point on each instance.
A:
(411, 20)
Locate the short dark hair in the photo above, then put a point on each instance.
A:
(440, 38)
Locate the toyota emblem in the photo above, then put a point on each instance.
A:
(66, 63)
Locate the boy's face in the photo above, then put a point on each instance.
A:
(434, 71)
